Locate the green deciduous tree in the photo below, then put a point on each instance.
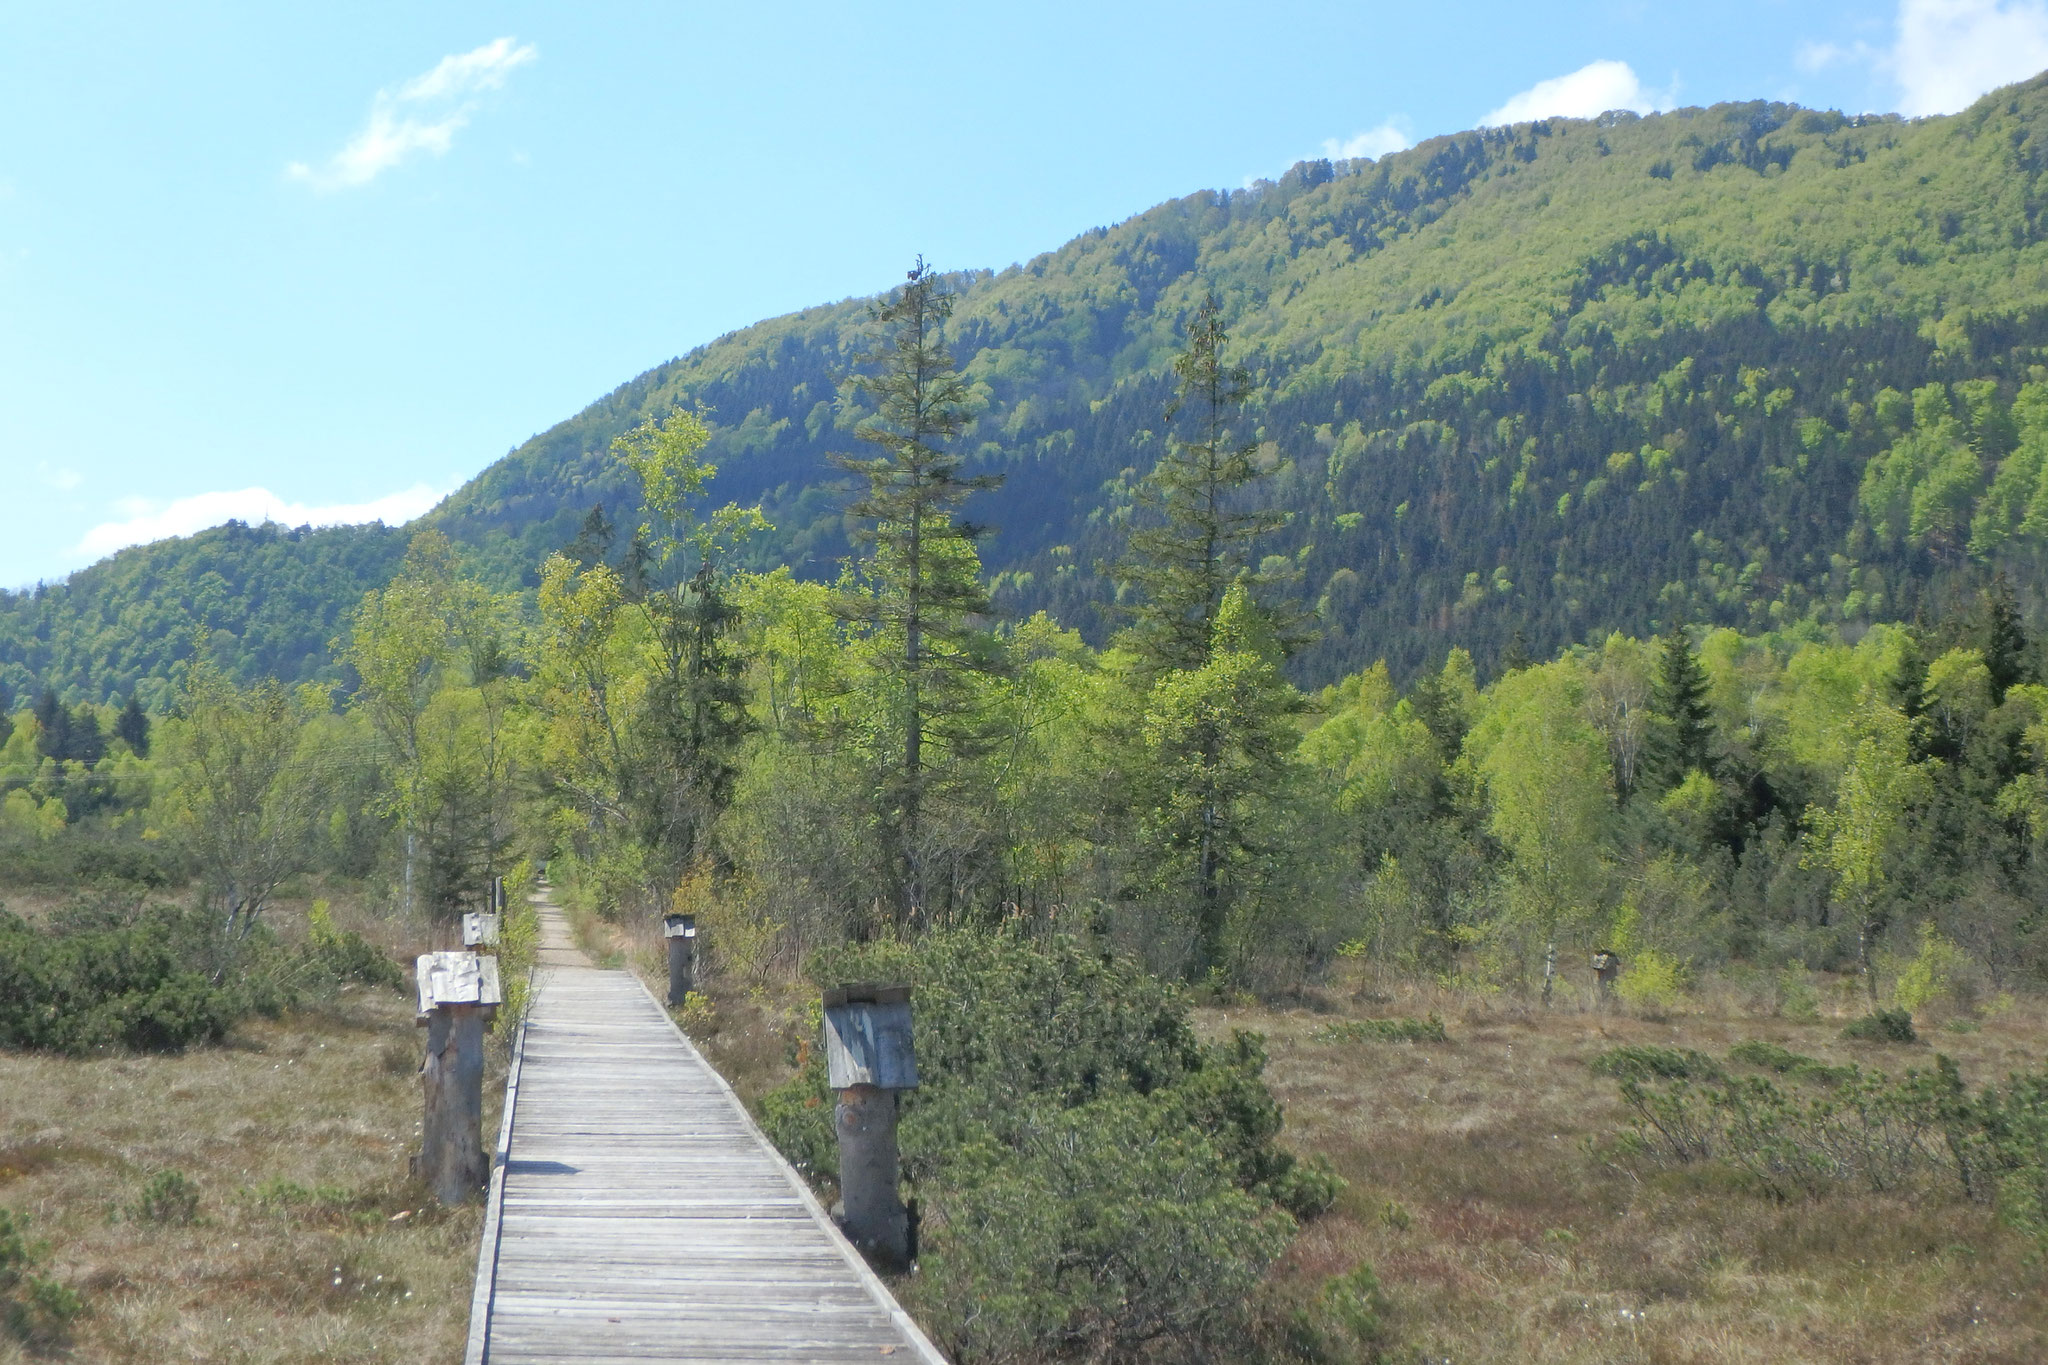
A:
(1550, 795)
(1858, 837)
(241, 797)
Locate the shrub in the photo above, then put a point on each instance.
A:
(343, 955)
(2013, 1122)
(168, 1197)
(1934, 974)
(1869, 1131)
(1643, 1062)
(33, 1309)
(159, 979)
(1090, 1175)
(1430, 1030)
(144, 986)
(1771, 1057)
(1885, 1026)
(1653, 981)
(1346, 1321)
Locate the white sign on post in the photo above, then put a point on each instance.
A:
(479, 930)
(457, 979)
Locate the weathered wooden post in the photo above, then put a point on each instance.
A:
(458, 994)
(681, 933)
(1606, 967)
(869, 1058)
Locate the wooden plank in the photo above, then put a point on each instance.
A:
(494, 1203)
(640, 1213)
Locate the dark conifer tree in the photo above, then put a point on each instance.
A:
(593, 543)
(1515, 657)
(53, 724)
(922, 580)
(2007, 653)
(1682, 738)
(1198, 541)
(697, 702)
(132, 728)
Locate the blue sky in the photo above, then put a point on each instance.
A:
(323, 263)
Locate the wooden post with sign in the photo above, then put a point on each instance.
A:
(681, 933)
(1606, 967)
(869, 1060)
(458, 994)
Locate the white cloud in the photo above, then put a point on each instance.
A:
(1590, 91)
(1949, 52)
(145, 521)
(423, 115)
(62, 480)
(1388, 138)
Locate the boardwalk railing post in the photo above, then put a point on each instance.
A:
(869, 1060)
(681, 933)
(1606, 967)
(458, 994)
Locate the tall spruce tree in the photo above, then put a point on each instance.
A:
(1200, 525)
(2006, 651)
(1682, 739)
(53, 726)
(132, 728)
(921, 587)
(685, 758)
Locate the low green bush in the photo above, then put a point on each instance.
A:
(1346, 1322)
(168, 1197)
(1091, 1177)
(1885, 1026)
(1647, 1061)
(1785, 1062)
(1920, 1132)
(33, 1309)
(1430, 1030)
(156, 979)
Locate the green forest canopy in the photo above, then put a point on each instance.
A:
(1750, 365)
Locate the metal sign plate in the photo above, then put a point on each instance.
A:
(456, 979)
(480, 930)
(869, 1043)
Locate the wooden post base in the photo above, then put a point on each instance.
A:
(871, 1210)
(452, 1159)
(682, 968)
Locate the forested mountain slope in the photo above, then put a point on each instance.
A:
(1556, 378)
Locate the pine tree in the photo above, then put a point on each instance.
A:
(2006, 650)
(1199, 541)
(1515, 657)
(132, 728)
(922, 588)
(684, 750)
(53, 726)
(593, 542)
(1683, 737)
(696, 706)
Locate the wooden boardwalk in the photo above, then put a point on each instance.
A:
(638, 1215)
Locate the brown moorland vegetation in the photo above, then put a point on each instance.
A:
(1488, 1197)
(307, 1240)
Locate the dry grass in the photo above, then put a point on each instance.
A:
(1499, 1229)
(311, 1244)
(1511, 1238)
